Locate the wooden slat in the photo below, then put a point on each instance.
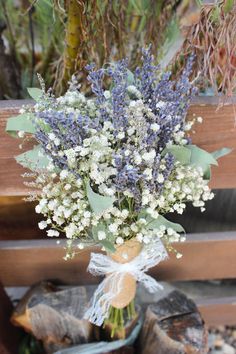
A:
(11, 181)
(218, 130)
(206, 256)
(18, 220)
(218, 311)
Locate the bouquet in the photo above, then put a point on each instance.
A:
(108, 167)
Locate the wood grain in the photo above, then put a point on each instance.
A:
(18, 220)
(218, 311)
(11, 181)
(217, 130)
(206, 256)
(173, 324)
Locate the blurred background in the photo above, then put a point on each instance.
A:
(57, 38)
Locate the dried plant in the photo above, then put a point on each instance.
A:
(103, 31)
(213, 40)
(57, 38)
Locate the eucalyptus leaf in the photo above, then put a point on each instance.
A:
(201, 158)
(99, 227)
(181, 153)
(153, 224)
(34, 159)
(35, 93)
(173, 43)
(220, 153)
(22, 122)
(207, 174)
(130, 77)
(98, 203)
(156, 223)
(204, 159)
(106, 243)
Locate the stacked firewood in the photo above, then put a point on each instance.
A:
(55, 317)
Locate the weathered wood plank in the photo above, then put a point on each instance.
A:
(218, 311)
(18, 220)
(11, 181)
(206, 256)
(218, 130)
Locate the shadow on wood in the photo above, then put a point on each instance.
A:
(9, 335)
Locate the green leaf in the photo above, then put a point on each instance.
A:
(98, 203)
(22, 122)
(207, 174)
(34, 159)
(215, 14)
(106, 243)
(204, 159)
(173, 43)
(156, 223)
(199, 3)
(181, 153)
(201, 158)
(228, 6)
(220, 153)
(35, 93)
(99, 227)
(130, 77)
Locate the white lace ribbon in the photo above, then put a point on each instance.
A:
(100, 265)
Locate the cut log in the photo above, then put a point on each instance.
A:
(55, 317)
(20, 316)
(173, 325)
(9, 335)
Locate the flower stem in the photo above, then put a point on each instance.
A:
(117, 318)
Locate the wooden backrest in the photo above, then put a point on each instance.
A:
(206, 256)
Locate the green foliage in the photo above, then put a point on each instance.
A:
(30, 345)
(34, 159)
(228, 6)
(161, 220)
(108, 243)
(201, 158)
(47, 31)
(172, 44)
(220, 153)
(181, 153)
(98, 203)
(35, 93)
(22, 122)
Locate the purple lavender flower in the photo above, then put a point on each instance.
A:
(119, 93)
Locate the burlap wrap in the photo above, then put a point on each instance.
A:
(124, 254)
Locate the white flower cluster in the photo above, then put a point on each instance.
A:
(185, 184)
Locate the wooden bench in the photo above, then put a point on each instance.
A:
(27, 256)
